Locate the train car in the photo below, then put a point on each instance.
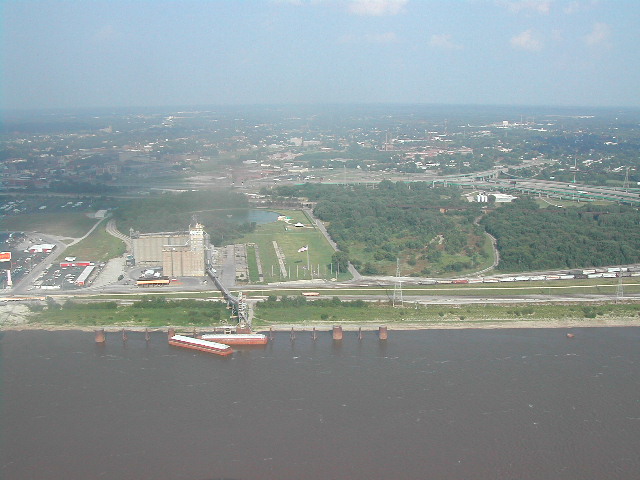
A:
(153, 282)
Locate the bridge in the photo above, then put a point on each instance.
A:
(237, 303)
(561, 190)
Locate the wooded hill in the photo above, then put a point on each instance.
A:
(170, 213)
(533, 238)
(430, 229)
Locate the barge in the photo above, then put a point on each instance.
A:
(200, 344)
(237, 338)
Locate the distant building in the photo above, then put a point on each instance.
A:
(42, 248)
(181, 254)
(504, 197)
(483, 197)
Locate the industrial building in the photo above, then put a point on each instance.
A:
(181, 254)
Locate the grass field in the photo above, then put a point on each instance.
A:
(73, 225)
(252, 264)
(290, 239)
(97, 247)
(156, 313)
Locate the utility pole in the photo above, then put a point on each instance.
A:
(625, 185)
(619, 288)
(397, 289)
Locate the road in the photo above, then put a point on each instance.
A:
(113, 230)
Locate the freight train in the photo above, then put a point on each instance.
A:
(610, 272)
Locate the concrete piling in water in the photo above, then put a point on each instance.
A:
(314, 334)
(293, 334)
(337, 332)
(101, 337)
(359, 333)
(270, 333)
(147, 337)
(382, 332)
(171, 332)
(124, 335)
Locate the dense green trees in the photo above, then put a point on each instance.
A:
(174, 213)
(531, 238)
(395, 220)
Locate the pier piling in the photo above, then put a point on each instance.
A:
(382, 332)
(314, 334)
(101, 337)
(147, 337)
(124, 335)
(293, 334)
(171, 332)
(270, 333)
(359, 333)
(337, 332)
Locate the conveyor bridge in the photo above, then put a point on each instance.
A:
(237, 303)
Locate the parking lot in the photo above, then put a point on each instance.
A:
(22, 262)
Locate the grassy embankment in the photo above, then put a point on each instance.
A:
(147, 312)
(159, 312)
(290, 239)
(429, 315)
(100, 246)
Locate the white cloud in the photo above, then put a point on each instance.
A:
(535, 6)
(579, 6)
(599, 36)
(377, 7)
(444, 41)
(526, 41)
(376, 38)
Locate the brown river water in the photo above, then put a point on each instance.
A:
(459, 404)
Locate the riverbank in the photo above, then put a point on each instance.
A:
(18, 319)
(187, 315)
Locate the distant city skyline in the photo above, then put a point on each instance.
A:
(57, 54)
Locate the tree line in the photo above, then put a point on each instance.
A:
(533, 238)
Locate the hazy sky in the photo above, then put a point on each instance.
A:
(160, 53)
